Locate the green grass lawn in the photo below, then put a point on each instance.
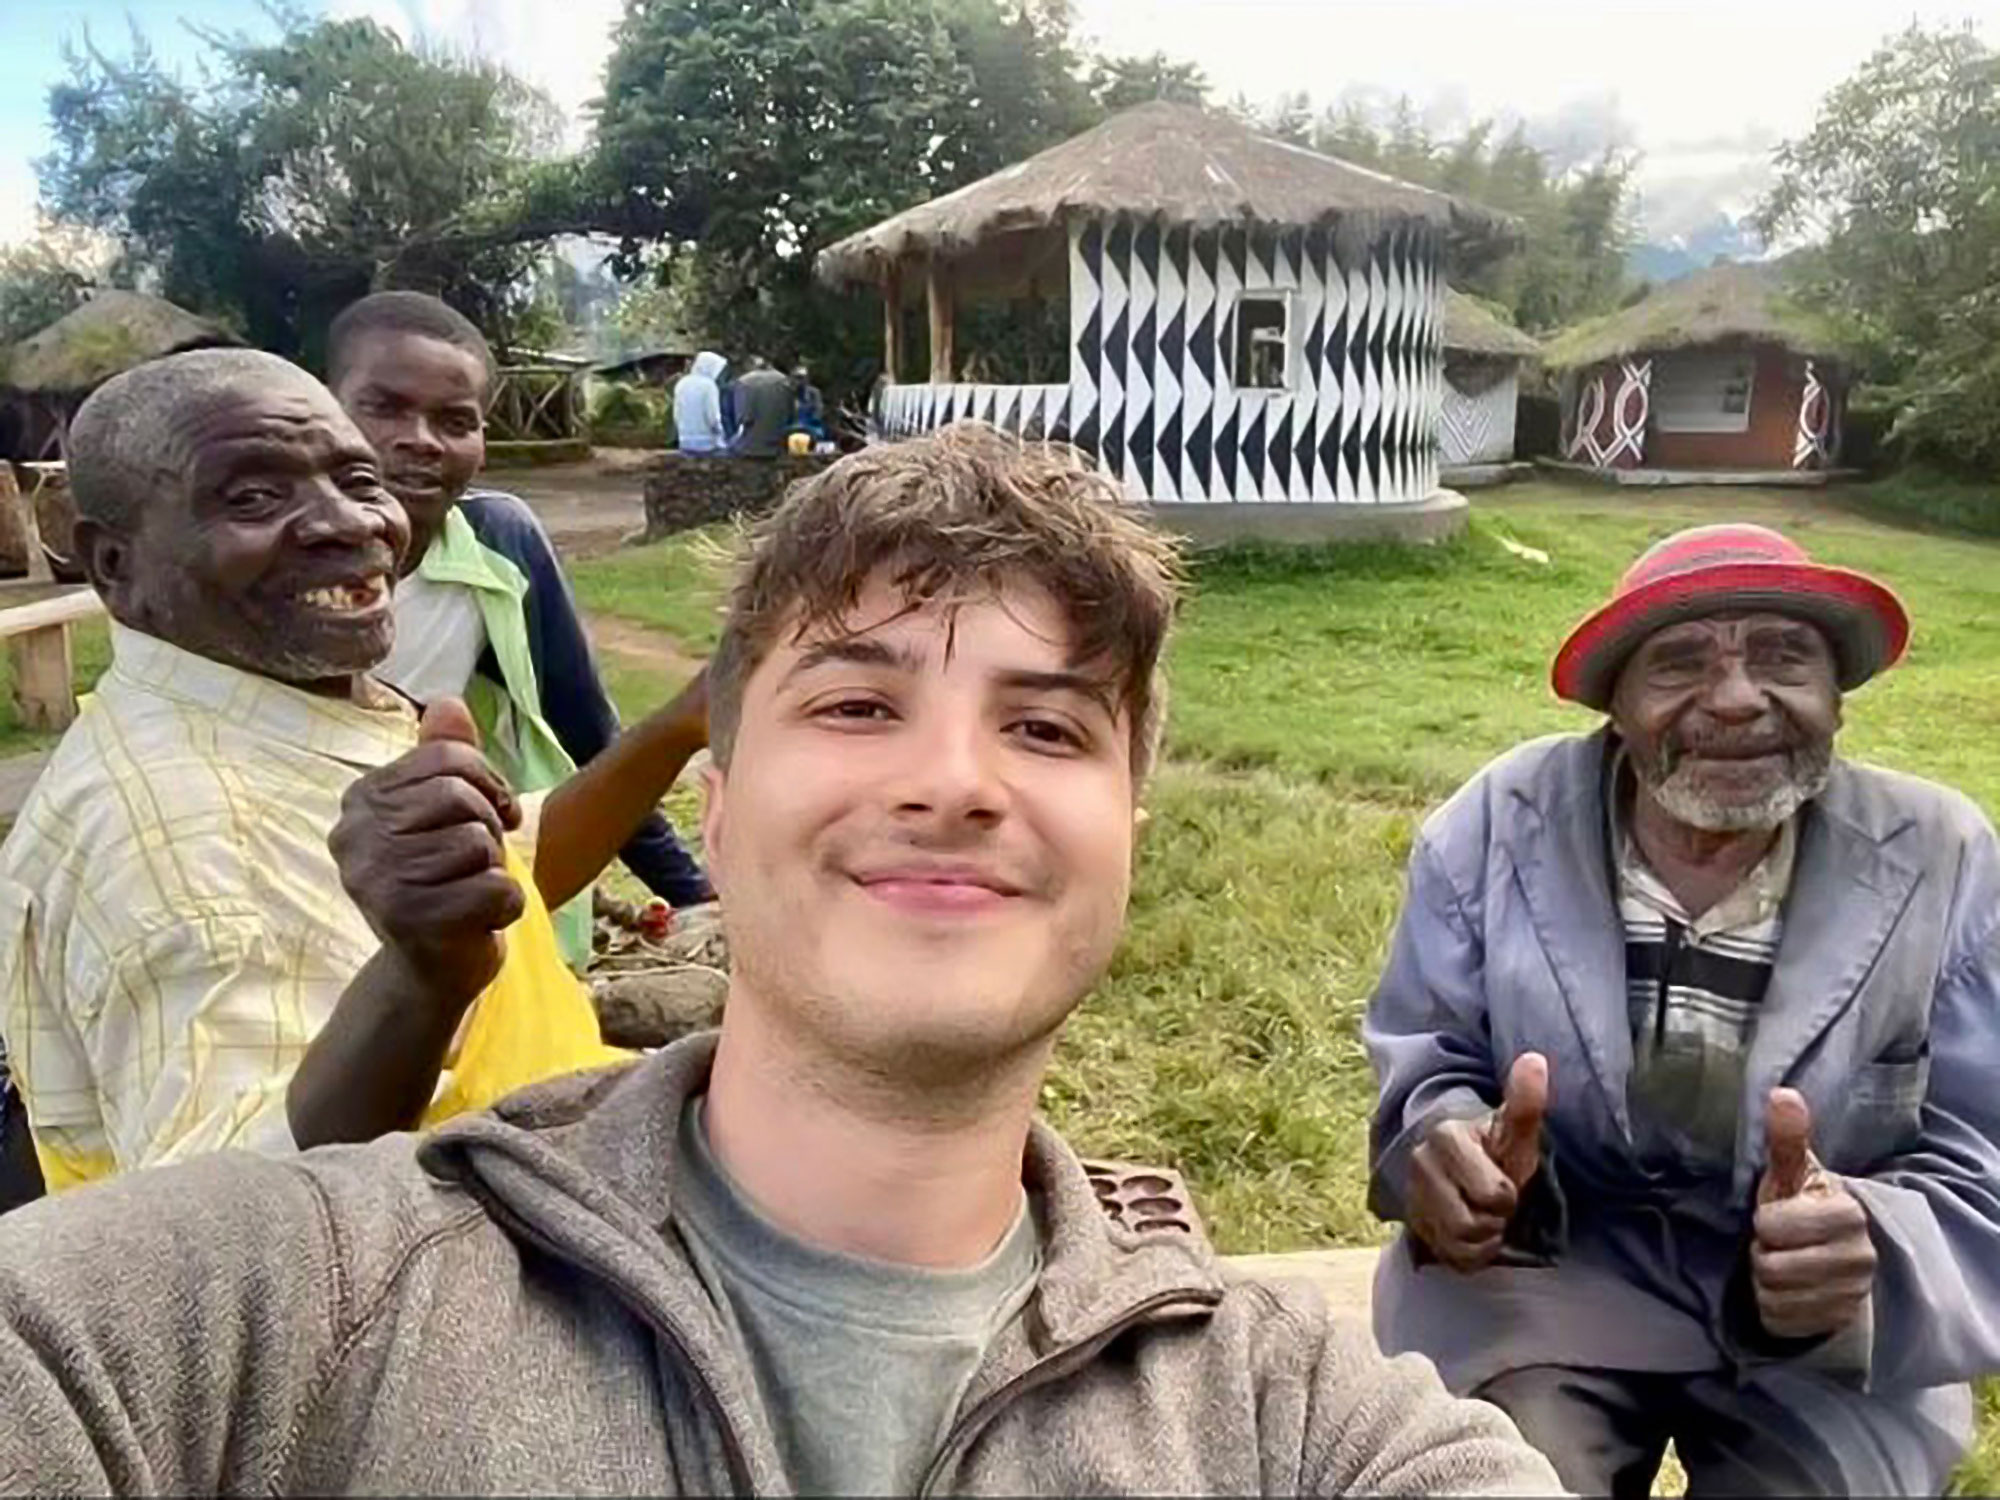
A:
(1322, 702)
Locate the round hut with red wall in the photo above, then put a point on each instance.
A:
(1722, 374)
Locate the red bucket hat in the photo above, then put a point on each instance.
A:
(1709, 570)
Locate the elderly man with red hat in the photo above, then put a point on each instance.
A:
(1689, 1052)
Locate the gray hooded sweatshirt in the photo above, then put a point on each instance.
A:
(505, 1307)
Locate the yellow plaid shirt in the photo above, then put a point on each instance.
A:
(173, 931)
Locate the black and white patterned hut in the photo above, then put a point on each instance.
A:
(1250, 322)
(1482, 390)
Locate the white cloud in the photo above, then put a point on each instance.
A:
(559, 48)
(386, 13)
(1700, 71)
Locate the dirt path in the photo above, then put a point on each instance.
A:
(640, 645)
(588, 508)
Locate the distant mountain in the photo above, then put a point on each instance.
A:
(1721, 238)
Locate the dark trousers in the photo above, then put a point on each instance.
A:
(1607, 1430)
(20, 1172)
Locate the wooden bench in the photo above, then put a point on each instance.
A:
(37, 637)
(1347, 1277)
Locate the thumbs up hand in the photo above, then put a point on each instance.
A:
(1467, 1176)
(1811, 1260)
(420, 852)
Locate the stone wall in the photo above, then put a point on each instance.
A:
(686, 490)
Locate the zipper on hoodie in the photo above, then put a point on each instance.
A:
(663, 1327)
(1053, 1367)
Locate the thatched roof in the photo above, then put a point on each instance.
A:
(1171, 161)
(1724, 304)
(1470, 329)
(106, 336)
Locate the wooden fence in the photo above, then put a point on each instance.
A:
(536, 404)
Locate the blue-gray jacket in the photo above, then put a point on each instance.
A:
(1884, 1010)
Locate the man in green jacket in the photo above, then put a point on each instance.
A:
(483, 609)
(830, 1250)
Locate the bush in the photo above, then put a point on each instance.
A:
(1934, 498)
(631, 406)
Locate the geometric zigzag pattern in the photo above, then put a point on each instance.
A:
(1478, 429)
(1153, 313)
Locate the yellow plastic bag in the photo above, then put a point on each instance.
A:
(534, 1021)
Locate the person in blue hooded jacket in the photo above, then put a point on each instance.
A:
(699, 424)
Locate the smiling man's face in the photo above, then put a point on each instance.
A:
(1730, 720)
(923, 837)
(271, 545)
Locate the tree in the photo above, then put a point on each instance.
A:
(755, 135)
(1119, 83)
(1575, 226)
(301, 174)
(1900, 178)
(40, 280)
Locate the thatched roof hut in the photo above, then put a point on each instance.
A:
(1470, 329)
(1749, 304)
(1248, 321)
(1173, 162)
(45, 377)
(109, 334)
(1727, 370)
(1483, 355)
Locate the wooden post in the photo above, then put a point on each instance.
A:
(937, 283)
(44, 689)
(24, 520)
(892, 323)
(38, 642)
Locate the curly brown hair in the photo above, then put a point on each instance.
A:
(950, 516)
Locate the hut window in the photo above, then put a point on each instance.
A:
(1263, 339)
(1703, 390)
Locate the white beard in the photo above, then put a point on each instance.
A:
(1685, 802)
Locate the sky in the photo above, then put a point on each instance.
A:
(1701, 89)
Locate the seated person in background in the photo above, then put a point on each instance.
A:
(1687, 1046)
(809, 414)
(700, 424)
(179, 969)
(830, 1252)
(764, 406)
(483, 611)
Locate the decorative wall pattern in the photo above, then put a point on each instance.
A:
(1818, 441)
(1039, 411)
(1478, 428)
(1604, 430)
(1153, 332)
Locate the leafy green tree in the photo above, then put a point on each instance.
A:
(302, 173)
(39, 283)
(756, 135)
(1900, 178)
(1575, 226)
(1119, 83)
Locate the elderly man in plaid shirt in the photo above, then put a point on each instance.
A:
(186, 962)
